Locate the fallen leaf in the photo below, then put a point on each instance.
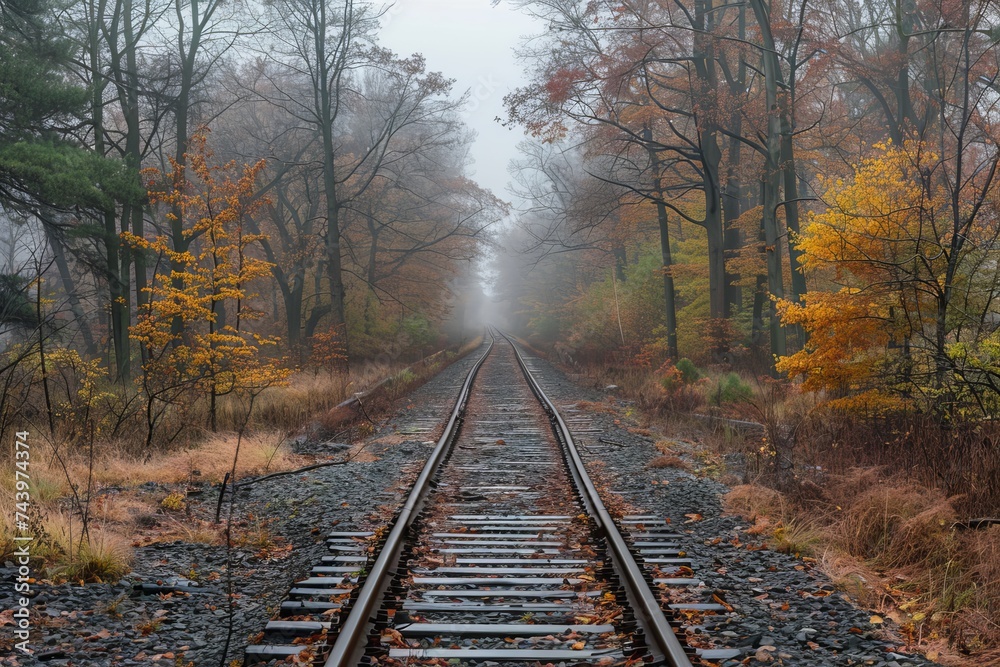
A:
(578, 646)
(394, 637)
(876, 620)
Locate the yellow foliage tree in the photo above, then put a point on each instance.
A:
(192, 323)
(882, 243)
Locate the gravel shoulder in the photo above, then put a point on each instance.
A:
(283, 522)
(785, 611)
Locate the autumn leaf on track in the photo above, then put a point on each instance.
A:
(394, 637)
(718, 600)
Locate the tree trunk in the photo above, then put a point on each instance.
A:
(732, 201)
(668, 281)
(711, 154)
(182, 111)
(771, 179)
(670, 309)
(117, 298)
(69, 286)
(132, 214)
(334, 266)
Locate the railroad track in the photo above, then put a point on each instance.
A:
(502, 553)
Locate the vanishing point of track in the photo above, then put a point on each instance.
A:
(502, 553)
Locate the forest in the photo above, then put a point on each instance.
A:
(804, 192)
(200, 197)
(220, 219)
(784, 213)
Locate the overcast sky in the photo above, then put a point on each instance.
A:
(471, 42)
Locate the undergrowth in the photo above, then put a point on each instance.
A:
(881, 503)
(896, 548)
(92, 502)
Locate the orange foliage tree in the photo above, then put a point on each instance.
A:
(192, 325)
(909, 288)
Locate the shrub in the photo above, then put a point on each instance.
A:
(174, 502)
(404, 377)
(671, 379)
(689, 372)
(730, 389)
(103, 557)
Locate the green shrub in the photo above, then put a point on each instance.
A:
(730, 389)
(689, 372)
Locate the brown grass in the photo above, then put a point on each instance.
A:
(668, 461)
(119, 516)
(875, 499)
(191, 530)
(752, 501)
(306, 395)
(102, 554)
(895, 548)
(384, 395)
(70, 480)
(879, 521)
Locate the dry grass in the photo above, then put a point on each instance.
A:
(878, 522)
(306, 395)
(123, 515)
(860, 581)
(668, 461)
(774, 518)
(61, 548)
(797, 537)
(752, 502)
(102, 554)
(896, 549)
(259, 453)
(113, 466)
(383, 395)
(192, 531)
(207, 461)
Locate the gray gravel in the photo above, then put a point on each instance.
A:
(99, 625)
(781, 611)
(785, 611)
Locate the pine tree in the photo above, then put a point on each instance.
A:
(40, 164)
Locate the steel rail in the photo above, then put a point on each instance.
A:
(352, 638)
(644, 604)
